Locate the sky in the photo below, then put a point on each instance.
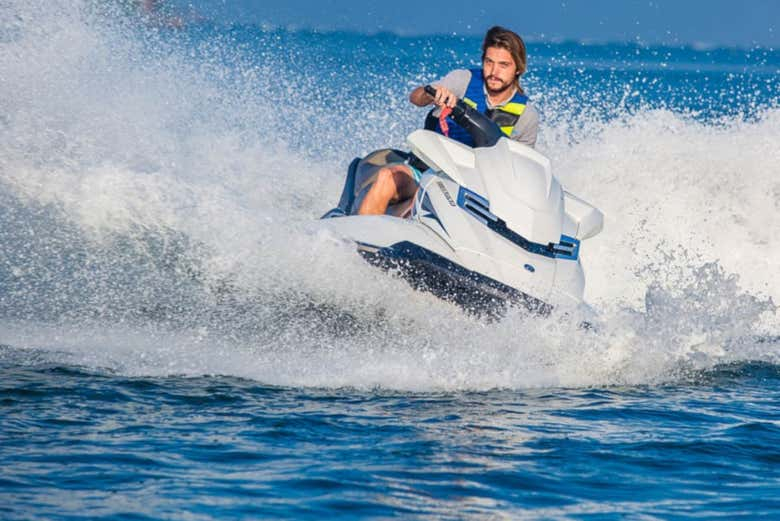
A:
(742, 23)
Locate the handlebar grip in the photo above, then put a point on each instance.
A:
(483, 130)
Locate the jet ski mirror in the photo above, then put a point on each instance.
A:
(482, 129)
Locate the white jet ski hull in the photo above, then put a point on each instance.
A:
(488, 227)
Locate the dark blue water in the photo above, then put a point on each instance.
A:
(76, 442)
(179, 341)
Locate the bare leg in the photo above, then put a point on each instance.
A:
(393, 183)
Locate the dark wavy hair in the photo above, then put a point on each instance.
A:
(503, 38)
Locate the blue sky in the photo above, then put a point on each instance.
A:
(719, 22)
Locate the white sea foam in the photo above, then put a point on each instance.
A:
(153, 225)
(667, 182)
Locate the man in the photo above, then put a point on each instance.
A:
(494, 90)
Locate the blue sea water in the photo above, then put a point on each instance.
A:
(178, 340)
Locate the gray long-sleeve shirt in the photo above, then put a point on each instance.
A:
(527, 125)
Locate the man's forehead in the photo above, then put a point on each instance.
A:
(498, 54)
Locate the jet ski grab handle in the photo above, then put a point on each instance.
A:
(482, 129)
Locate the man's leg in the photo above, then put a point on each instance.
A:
(393, 183)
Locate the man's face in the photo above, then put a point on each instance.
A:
(499, 70)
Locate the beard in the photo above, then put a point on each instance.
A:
(500, 86)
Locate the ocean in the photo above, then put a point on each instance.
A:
(179, 339)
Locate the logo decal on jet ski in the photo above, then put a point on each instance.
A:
(444, 191)
(427, 206)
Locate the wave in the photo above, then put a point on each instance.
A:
(159, 192)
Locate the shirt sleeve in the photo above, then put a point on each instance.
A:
(527, 127)
(457, 81)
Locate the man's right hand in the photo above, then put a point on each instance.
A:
(444, 97)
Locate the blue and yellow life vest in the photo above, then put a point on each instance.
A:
(505, 116)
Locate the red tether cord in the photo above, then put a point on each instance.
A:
(445, 128)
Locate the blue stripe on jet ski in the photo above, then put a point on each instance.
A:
(478, 207)
(568, 248)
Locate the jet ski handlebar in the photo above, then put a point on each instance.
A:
(483, 130)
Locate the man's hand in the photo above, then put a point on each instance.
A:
(444, 97)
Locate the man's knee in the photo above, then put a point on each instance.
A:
(385, 176)
(388, 181)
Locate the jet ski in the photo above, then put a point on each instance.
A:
(489, 226)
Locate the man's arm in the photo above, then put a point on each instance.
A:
(444, 96)
(448, 90)
(421, 98)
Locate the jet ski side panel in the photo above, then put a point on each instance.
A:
(476, 246)
(522, 190)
